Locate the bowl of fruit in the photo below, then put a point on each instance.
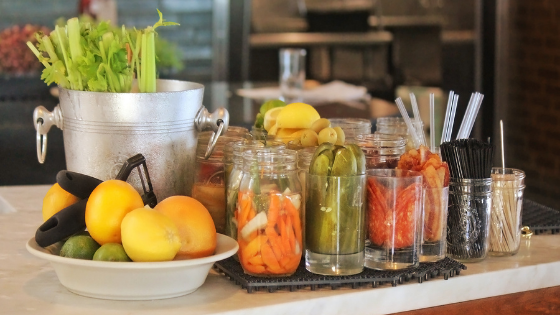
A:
(129, 251)
(132, 280)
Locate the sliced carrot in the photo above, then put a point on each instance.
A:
(273, 209)
(243, 207)
(253, 247)
(269, 258)
(256, 260)
(254, 269)
(275, 241)
(294, 215)
(290, 235)
(294, 263)
(285, 261)
(286, 249)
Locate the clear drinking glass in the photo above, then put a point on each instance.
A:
(468, 219)
(434, 228)
(508, 185)
(292, 74)
(335, 224)
(393, 219)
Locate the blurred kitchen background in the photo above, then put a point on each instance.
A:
(509, 50)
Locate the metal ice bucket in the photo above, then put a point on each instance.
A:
(102, 130)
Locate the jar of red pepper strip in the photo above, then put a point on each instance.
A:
(268, 214)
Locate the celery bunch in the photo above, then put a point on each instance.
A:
(95, 57)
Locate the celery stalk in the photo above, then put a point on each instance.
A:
(73, 29)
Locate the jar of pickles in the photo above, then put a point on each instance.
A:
(269, 229)
(209, 179)
(352, 126)
(381, 150)
(233, 165)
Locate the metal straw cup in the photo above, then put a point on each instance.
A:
(102, 130)
(468, 220)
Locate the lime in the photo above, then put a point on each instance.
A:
(80, 247)
(111, 252)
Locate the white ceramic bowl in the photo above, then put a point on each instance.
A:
(132, 280)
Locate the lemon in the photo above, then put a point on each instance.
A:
(80, 247)
(270, 117)
(297, 116)
(111, 252)
(55, 200)
(148, 235)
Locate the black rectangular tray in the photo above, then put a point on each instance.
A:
(540, 218)
(302, 278)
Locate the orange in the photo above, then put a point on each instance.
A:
(148, 235)
(107, 205)
(55, 200)
(196, 227)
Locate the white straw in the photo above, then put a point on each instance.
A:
(473, 115)
(502, 138)
(406, 118)
(432, 124)
(464, 122)
(452, 118)
(417, 120)
(447, 116)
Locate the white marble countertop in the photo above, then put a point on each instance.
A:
(28, 285)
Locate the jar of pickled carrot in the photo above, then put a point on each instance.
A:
(268, 214)
(233, 165)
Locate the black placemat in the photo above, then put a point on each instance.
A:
(540, 218)
(304, 279)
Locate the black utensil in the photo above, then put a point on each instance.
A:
(77, 184)
(71, 219)
(63, 224)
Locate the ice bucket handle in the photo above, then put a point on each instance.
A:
(218, 121)
(43, 121)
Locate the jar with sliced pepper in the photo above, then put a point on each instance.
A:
(381, 150)
(269, 230)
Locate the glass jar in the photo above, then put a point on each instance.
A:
(269, 230)
(394, 211)
(381, 150)
(397, 126)
(508, 185)
(233, 164)
(468, 219)
(352, 126)
(209, 179)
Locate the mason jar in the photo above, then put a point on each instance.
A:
(352, 126)
(381, 150)
(508, 185)
(209, 179)
(233, 164)
(397, 126)
(269, 220)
